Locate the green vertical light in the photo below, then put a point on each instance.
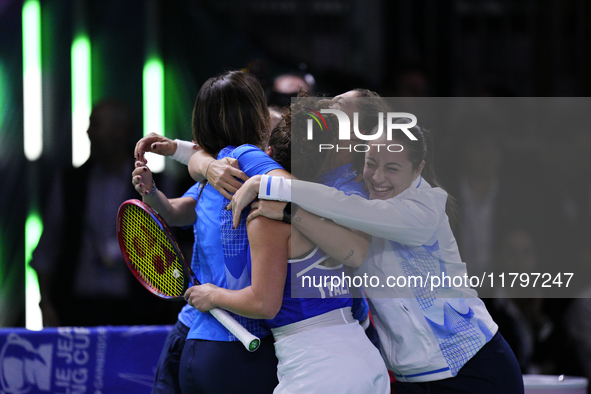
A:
(153, 83)
(33, 230)
(33, 120)
(81, 99)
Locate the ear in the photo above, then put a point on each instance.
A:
(269, 151)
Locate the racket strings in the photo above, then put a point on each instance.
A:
(152, 253)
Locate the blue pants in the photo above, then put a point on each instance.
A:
(227, 367)
(493, 370)
(167, 371)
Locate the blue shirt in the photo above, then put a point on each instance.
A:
(220, 255)
(308, 291)
(343, 178)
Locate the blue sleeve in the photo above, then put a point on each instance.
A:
(193, 191)
(254, 161)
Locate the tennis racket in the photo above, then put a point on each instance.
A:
(155, 259)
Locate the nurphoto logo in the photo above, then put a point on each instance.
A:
(345, 129)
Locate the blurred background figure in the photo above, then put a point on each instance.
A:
(566, 161)
(83, 278)
(493, 188)
(534, 327)
(484, 196)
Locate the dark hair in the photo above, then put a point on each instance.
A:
(280, 141)
(230, 109)
(291, 146)
(419, 150)
(369, 110)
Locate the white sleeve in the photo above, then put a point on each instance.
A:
(275, 188)
(410, 218)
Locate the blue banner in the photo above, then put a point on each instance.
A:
(72, 360)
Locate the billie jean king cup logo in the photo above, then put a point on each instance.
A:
(23, 368)
(345, 129)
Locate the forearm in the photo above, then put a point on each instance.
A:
(176, 212)
(198, 165)
(243, 302)
(343, 245)
(263, 298)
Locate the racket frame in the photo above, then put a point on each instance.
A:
(188, 275)
(250, 342)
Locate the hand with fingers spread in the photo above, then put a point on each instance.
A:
(154, 143)
(270, 209)
(201, 297)
(223, 175)
(244, 196)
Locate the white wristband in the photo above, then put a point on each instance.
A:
(275, 188)
(184, 151)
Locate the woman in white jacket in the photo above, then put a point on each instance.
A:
(435, 333)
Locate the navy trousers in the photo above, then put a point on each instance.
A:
(227, 367)
(493, 370)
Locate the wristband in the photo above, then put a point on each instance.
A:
(275, 188)
(184, 151)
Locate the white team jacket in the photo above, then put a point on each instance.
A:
(428, 329)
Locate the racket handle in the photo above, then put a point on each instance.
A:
(250, 342)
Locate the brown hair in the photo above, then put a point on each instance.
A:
(419, 150)
(291, 146)
(230, 109)
(280, 142)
